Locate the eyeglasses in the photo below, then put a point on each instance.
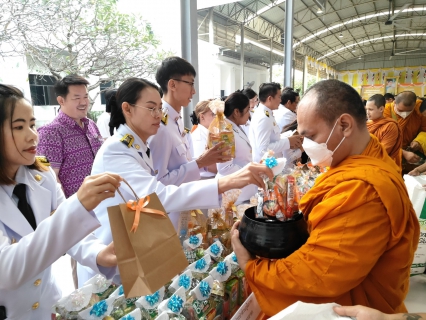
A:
(155, 112)
(188, 82)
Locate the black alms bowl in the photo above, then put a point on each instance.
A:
(272, 239)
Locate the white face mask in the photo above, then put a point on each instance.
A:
(403, 114)
(318, 152)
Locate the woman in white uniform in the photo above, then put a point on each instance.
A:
(30, 238)
(237, 112)
(201, 118)
(137, 115)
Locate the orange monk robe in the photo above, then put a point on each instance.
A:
(363, 234)
(389, 135)
(411, 126)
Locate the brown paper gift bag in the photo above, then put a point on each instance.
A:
(149, 252)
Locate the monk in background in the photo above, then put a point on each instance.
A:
(386, 130)
(405, 110)
(419, 143)
(363, 229)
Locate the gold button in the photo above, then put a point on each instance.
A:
(35, 305)
(37, 177)
(37, 282)
(137, 147)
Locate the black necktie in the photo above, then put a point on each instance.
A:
(21, 192)
(148, 152)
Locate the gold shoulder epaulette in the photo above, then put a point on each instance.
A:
(267, 113)
(165, 119)
(128, 140)
(187, 130)
(43, 160)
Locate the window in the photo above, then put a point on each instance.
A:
(103, 87)
(41, 87)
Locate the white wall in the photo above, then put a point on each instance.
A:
(216, 72)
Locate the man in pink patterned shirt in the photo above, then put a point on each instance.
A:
(70, 142)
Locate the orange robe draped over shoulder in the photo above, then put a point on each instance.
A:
(389, 135)
(363, 235)
(411, 126)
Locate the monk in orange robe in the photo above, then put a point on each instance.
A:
(386, 130)
(363, 228)
(405, 110)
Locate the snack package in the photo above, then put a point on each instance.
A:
(229, 198)
(280, 200)
(175, 303)
(216, 226)
(231, 298)
(221, 130)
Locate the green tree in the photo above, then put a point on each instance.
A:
(87, 37)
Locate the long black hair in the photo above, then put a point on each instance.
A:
(129, 91)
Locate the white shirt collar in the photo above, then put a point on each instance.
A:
(172, 113)
(21, 178)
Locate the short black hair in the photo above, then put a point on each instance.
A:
(249, 93)
(9, 97)
(268, 89)
(389, 96)
(379, 100)
(407, 98)
(334, 98)
(288, 95)
(129, 91)
(61, 86)
(173, 68)
(236, 100)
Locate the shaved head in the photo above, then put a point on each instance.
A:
(406, 98)
(334, 98)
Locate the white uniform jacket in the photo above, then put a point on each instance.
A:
(242, 157)
(284, 116)
(171, 151)
(132, 163)
(199, 142)
(27, 286)
(265, 134)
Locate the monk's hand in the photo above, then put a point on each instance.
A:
(414, 172)
(243, 256)
(411, 157)
(106, 257)
(361, 313)
(414, 145)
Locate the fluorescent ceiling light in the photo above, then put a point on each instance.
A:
(366, 17)
(319, 10)
(341, 35)
(374, 39)
(257, 44)
(265, 8)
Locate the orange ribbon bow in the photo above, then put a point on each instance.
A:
(140, 206)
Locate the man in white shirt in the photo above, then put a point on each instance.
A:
(265, 134)
(171, 146)
(286, 112)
